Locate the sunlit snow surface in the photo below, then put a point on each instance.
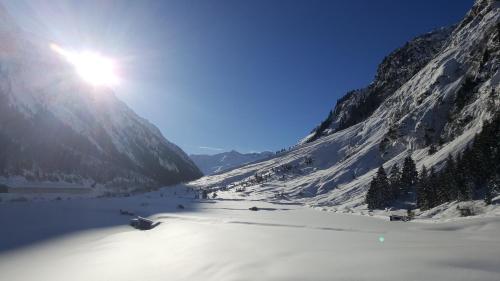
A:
(221, 239)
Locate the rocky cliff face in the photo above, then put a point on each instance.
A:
(395, 70)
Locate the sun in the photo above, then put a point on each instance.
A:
(92, 67)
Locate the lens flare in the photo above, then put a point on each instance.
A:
(92, 67)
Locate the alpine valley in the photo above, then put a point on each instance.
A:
(427, 102)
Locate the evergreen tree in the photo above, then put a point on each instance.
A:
(384, 186)
(421, 190)
(204, 194)
(378, 195)
(488, 195)
(491, 188)
(395, 181)
(483, 151)
(461, 178)
(448, 181)
(431, 194)
(409, 175)
(469, 189)
(373, 195)
(475, 170)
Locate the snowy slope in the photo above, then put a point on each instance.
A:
(54, 126)
(424, 110)
(211, 164)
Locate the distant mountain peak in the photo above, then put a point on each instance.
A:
(211, 164)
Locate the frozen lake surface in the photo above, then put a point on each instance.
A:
(88, 239)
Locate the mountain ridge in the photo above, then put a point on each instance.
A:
(55, 127)
(394, 70)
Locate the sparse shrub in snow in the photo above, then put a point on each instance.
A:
(466, 211)
(308, 160)
(258, 178)
(410, 213)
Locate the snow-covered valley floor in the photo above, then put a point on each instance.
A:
(88, 239)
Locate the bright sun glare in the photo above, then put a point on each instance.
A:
(91, 66)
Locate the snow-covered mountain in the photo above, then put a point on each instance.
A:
(436, 90)
(395, 70)
(55, 127)
(211, 164)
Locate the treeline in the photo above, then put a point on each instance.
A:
(472, 174)
(283, 150)
(385, 189)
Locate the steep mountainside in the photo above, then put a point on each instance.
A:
(55, 127)
(395, 70)
(436, 91)
(211, 164)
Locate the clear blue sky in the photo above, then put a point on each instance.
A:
(248, 75)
